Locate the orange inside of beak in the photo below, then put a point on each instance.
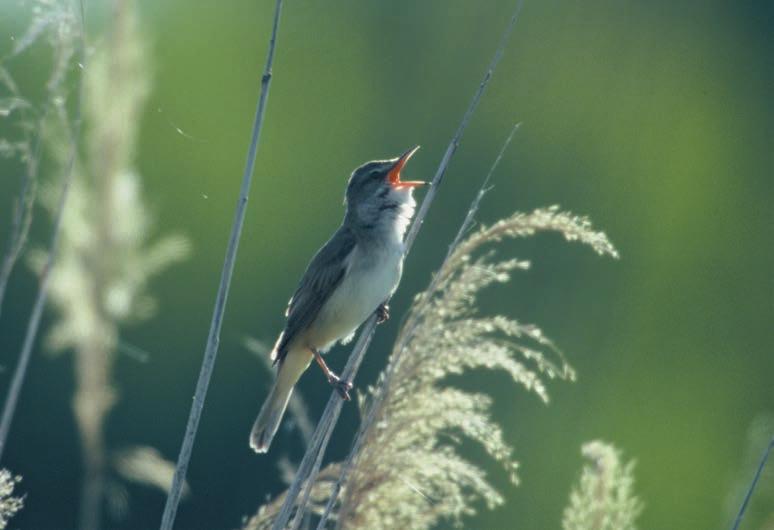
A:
(394, 174)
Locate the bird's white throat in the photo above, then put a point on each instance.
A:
(394, 222)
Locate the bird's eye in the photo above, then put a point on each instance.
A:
(375, 174)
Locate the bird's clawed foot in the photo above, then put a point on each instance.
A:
(341, 386)
(382, 313)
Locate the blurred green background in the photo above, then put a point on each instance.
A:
(654, 118)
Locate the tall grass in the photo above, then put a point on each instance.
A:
(410, 437)
(406, 470)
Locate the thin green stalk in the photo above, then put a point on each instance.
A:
(213, 339)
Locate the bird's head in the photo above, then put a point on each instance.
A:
(375, 191)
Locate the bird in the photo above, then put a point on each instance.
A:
(350, 278)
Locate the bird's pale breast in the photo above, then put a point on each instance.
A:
(371, 278)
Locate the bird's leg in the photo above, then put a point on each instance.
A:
(382, 313)
(342, 387)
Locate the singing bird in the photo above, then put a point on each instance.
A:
(351, 277)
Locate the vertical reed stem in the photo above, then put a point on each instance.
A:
(213, 339)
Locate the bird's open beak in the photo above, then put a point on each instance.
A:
(394, 174)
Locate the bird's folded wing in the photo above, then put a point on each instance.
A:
(323, 274)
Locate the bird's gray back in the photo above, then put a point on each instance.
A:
(323, 274)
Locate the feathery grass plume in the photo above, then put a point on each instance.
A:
(55, 24)
(9, 505)
(408, 472)
(604, 497)
(264, 518)
(756, 498)
(106, 260)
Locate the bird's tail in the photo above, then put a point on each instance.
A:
(268, 420)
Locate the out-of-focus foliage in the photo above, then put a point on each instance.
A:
(55, 24)
(55, 21)
(144, 465)
(105, 260)
(604, 497)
